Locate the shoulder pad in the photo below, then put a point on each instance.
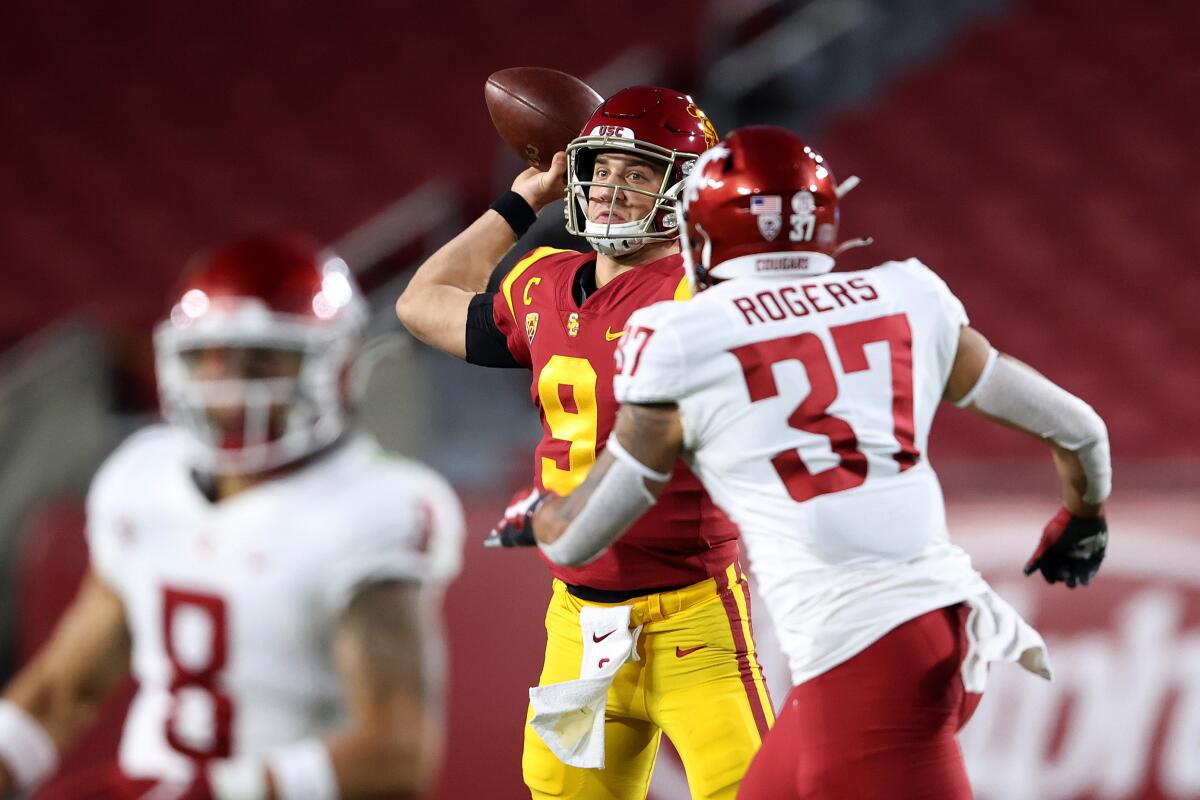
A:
(522, 266)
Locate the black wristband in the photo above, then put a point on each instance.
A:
(516, 212)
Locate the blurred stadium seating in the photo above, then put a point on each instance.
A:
(1043, 168)
(137, 133)
(1039, 155)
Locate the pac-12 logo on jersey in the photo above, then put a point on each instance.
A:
(531, 321)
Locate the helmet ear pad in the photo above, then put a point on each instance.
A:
(585, 168)
(585, 164)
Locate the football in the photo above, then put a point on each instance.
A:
(538, 111)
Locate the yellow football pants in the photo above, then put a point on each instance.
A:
(698, 680)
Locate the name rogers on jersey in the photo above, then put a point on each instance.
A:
(807, 298)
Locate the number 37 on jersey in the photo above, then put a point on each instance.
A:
(757, 363)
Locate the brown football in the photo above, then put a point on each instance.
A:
(538, 111)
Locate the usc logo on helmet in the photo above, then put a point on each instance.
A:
(613, 132)
(710, 132)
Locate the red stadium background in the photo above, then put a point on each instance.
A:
(1038, 154)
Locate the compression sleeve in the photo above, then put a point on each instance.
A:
(487, 346)
(617, 501)
(1013, 392)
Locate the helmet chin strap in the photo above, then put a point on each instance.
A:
(600, 236)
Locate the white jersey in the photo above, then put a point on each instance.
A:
(232, 606)
(806, 406)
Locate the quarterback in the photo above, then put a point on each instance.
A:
(654, 636)
(803, 399)
(271, 578)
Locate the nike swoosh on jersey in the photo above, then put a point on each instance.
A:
(680, 652)
(596, 638)
(612, 337)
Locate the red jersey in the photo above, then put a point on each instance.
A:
(682, 539)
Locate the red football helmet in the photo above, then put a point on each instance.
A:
(761, 203)
(659, 125)
(269, 296)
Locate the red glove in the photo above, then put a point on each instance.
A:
(515, 529)
(1071, 549)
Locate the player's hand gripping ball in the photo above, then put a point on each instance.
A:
(538, 111)
(1071, 549)
(515, 529)
(542, 188)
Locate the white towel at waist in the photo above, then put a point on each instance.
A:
(569, 716)
(996, 632)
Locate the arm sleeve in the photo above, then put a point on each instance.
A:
(650, 362)
(487, 344)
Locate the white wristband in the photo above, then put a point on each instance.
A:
(238, 779)
(25, 748)
(304, 771)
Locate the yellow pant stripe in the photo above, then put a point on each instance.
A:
(741, 595)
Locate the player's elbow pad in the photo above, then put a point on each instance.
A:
(1013, 392)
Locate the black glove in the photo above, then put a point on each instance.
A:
(1071, 549)
(515, 528)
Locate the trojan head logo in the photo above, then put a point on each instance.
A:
(710, 132)
(573, 324)
(531, 320)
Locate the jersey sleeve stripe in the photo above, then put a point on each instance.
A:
(525, 263)
(683, 291)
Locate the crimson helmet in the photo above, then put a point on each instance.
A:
(660, 125)
(760, 203)
(266, 293)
